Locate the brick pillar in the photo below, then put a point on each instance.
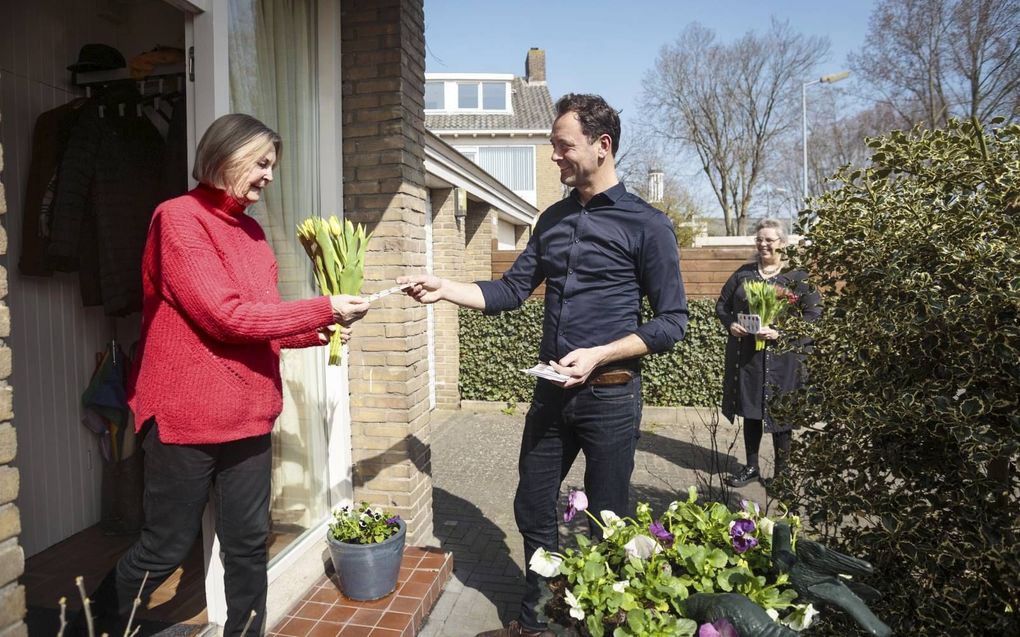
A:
(383, 73)
(448, 262)
(479, 234)
(12, 557)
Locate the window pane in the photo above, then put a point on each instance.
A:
(434, 95)
(514, 166)
(467, 95)
(494, 96)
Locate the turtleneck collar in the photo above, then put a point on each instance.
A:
(220, 200)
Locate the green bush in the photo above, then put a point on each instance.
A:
(493, 350)
(909, 457)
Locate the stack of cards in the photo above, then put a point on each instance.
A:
(545, 371)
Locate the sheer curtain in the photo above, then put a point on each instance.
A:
(273, 74)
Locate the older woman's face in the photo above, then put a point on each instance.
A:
(258, 177)
(768, 244)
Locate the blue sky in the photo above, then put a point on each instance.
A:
(605, 47)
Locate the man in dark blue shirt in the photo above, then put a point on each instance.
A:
(599, 252)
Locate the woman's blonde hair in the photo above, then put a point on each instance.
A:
(229, 148)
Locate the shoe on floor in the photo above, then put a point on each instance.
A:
(514, 629)
(748, 474)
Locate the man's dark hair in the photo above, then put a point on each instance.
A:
(597, 118)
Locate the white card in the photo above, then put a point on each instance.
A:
(545, 371)
(388, 291)
(750, 322)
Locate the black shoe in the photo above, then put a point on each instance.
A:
(748, 474)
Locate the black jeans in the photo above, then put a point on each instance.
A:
(178, 480)
(600, 420)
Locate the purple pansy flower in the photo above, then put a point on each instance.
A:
(394, 521)
(577, 501)
(744, 542)
(740, 534)
(659, 531)
(741, 526)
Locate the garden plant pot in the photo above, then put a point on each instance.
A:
(368, 571)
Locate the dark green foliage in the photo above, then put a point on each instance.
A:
(493, 350)
(910, 454)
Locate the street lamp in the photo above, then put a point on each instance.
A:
(825, 79)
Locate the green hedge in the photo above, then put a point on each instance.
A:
(493, 350)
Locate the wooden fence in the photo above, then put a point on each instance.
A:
(704, 270)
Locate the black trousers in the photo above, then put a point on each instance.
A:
(178, 482)
(603, 422)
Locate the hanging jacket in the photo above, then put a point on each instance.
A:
(110, 178)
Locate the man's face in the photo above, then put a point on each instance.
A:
(577, 157)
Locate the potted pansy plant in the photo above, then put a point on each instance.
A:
(366, 545)
(656, 576)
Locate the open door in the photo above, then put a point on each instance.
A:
(282, 66)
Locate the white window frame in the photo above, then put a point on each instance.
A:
(451, 97)
(531, 196)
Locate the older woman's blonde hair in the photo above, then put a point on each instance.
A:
(229, 148)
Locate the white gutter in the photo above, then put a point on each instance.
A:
(488, 132)
(446, 163)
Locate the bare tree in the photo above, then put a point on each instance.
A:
(728, 103)
(936, 59)
(834, 141)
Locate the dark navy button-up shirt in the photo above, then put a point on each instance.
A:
(597, 261)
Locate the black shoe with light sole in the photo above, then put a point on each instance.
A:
(748, 474)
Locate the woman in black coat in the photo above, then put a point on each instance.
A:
(751, 376)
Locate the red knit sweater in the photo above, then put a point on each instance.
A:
(208, 367)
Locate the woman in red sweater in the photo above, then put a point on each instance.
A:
(207, 375)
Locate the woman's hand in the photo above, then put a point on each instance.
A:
(327, 332)
(767, 334)
(347, 309)
(737, 329)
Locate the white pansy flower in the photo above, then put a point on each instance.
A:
(801, 618)
(642, 546)
(545, 563)
(621, 586)
(575, 606)
(611, 523)
(765, 526)
(773, 613)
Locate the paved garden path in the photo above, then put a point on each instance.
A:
(474, 472)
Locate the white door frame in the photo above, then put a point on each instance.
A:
(208, 97)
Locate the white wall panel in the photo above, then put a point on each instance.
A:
(53, 337)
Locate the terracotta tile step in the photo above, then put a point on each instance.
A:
(323, 611)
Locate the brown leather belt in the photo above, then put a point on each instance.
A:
(617, 376)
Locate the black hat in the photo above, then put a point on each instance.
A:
(97, 57)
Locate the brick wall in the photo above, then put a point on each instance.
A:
(383, 67)
(547, 182)
(448, 263)
(704, 270)
(12, 558)
(479, 233)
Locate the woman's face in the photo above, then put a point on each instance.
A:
(768, 244)
(258, 177)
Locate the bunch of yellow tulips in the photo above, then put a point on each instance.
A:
(337, 251)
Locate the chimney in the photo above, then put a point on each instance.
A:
(534, 66)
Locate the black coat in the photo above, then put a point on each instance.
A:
(750, 375)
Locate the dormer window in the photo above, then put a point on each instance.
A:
(471, 93)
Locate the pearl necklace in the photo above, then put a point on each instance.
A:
(767, 274)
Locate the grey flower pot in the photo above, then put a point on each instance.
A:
(368, 571)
